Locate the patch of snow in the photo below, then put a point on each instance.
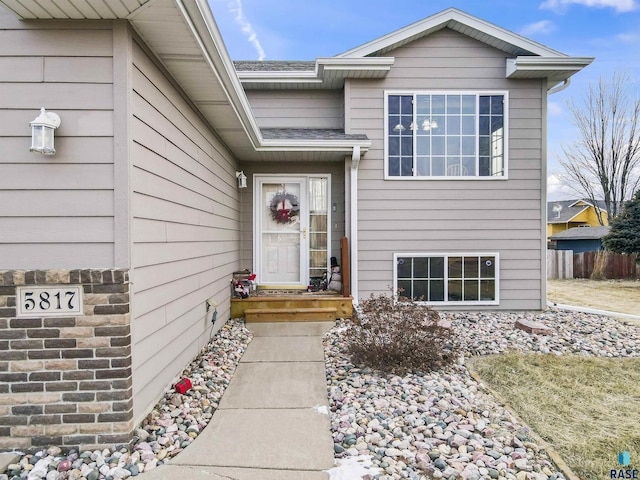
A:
(354, 468)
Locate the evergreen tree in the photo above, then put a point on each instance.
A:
(624, 236)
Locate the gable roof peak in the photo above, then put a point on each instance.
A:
(460, 21)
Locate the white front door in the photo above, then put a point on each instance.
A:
(282, 219)
(291, 229)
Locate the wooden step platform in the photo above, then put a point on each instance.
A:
(300, 307)
(290, 315)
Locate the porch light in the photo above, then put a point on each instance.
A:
(242, 179)
(42, 135)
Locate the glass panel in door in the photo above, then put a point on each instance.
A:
(318, 227)
(282, 220)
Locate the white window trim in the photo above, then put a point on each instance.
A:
(505, 94)
(445, 255)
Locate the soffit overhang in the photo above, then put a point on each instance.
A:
(184, 37)
(529, 59)
(555, 69)
(328, 73)
(74, 9)
(457, 20)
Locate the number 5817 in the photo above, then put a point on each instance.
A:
(49, 300)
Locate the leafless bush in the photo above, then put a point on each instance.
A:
(398, 337)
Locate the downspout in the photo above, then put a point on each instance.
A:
(559, 88)
(355, 161)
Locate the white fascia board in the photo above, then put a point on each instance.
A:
(440, 20)
(367, 63)
(574, 204)
(199, 18)
(279, 77)
(506, 36)
(542, 66)
(197, 14)
(380, 64)
(345, 146)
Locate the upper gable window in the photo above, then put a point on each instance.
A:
(443, 135)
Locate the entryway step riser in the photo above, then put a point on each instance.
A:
(343, 306)
(289, 314)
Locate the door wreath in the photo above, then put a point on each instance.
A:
(284, 208)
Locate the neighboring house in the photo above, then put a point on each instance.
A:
(580, 239)
(565, 214)
(426, 148)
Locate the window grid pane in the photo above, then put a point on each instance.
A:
(468, 278)
(400, 138)
(446, 135)
(491, 138)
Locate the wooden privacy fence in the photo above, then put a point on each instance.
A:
(559, 264)
(618, 266)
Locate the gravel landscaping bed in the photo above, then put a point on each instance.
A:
(170, 427)
(439, 425)
(487, 333)
(444, 425)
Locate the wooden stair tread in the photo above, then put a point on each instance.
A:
(282, 298)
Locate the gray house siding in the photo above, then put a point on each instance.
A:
(57, 212)
(447, 215)
(335, 169)
(185, 230)
(63, 222)
(286, 108)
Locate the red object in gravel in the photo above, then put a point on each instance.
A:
(183, 385)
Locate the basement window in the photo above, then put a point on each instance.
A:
(452, 278)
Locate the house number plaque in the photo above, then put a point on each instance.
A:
(49, 301)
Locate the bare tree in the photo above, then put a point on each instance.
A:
(603, 164)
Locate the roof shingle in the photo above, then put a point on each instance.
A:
(309, 134)
(274, 66)
(562, 211)
(581, 233)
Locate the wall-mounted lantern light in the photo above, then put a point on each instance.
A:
(42, 132)
(242, 179)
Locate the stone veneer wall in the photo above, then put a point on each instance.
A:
(66, 381)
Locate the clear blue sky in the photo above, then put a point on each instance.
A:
(304, 30)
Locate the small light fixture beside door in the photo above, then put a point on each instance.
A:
(242, 179)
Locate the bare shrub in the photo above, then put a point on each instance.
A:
(398, 337)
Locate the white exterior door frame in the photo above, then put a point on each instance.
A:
(262, 225)
(282, 240)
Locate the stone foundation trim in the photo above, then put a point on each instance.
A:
(66, 380)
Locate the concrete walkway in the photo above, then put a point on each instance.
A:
(267, 426)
